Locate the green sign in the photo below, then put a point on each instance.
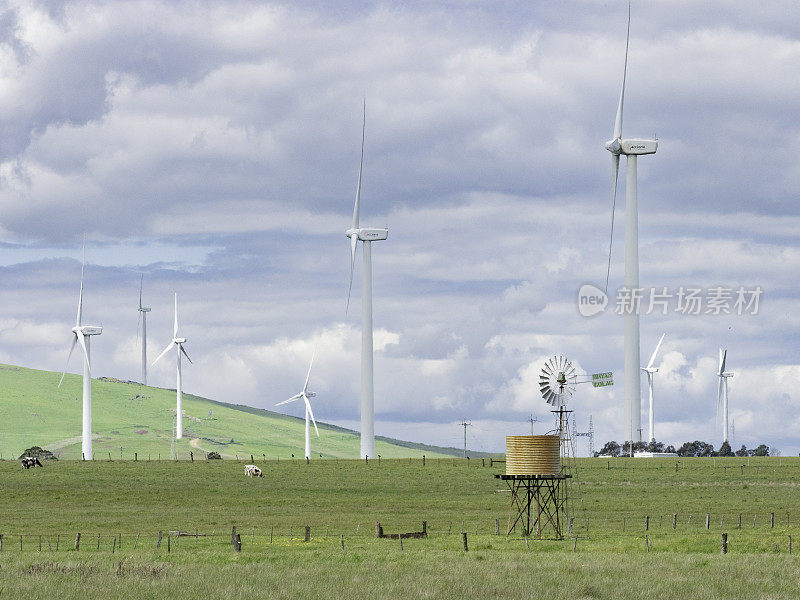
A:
(602, 379)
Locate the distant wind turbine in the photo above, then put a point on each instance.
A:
(81, 334)
(631, 148)
(305, 395)
(651, 371)
(178, 342)
(722, 392)
(367, 236)
(143, 310)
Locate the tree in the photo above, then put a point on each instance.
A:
(761, 450)
(742, 451)
(611, 448)
(670, 449)
(696, 448)
(39, 452)
(725, 450)
(655, 446)
(637, 447)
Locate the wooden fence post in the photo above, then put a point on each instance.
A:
(78, 541)
(342, 535)
(1, 542)
(308, 534)
(136, 543)
(237, 543)
(790, 544)
(158, 543)
(423, 460)
(724, 547)
(98, 541)
(674, 520)
(771, 520)
(754, 521)
(464, 541)
(708, 520)
(740, 520)
(135, 456)
(647, 523)
(169, 544)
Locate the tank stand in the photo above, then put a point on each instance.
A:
(537, 503)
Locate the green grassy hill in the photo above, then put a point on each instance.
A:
(128, 417)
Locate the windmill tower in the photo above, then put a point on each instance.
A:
(143, 310)
(306, 395)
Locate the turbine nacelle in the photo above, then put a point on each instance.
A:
(367, 234)
(726, 374)
(179, 340)
(632, 147)
(87, 330)
(144, 309)
(650, 370)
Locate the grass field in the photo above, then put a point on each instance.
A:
(345, 498)
(130, 418)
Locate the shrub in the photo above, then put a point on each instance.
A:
(40, 453)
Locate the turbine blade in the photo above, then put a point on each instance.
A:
(353, 244)
(305, 385)
(292, 399)
(614, 178)
(71, 348)
(184, 353)
(310, 412)
(618, 120)
(82, 342)
(141, 283)
(80, 294)
(167, 349)
(653, 358)
(175, 326)
(357, 207)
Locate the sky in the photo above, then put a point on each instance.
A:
(214, 148)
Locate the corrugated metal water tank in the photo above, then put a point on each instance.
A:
(533, 455)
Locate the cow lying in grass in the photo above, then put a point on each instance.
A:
(252, 471)
(30, 461)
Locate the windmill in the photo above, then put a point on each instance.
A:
(631, 148)
(367, 236)
(82, 335)
(722, 392)
(651, 371)
(178, 342)
(305, 395)
(143, 310)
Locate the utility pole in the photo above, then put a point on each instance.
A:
(533, 420)
(464, 423)
(588, 434)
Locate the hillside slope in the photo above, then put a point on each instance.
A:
(128, 417)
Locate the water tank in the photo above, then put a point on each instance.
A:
(533, 455)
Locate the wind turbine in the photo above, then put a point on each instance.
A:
(367, 236)
(631, 148)
(651, 370)
(178, 342)
(305, 395)
(81, 334)
(722, 392)
(143, 310)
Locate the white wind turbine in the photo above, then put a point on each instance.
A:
(367, 236)
(722, 392)
(631, 148)
(81, 335)
(305, 395)
(178, 342)
(651, 371)
(143, 310)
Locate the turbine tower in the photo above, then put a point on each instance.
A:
(631, 148)
(305, 395)
(178, 342)
(81, 334)
(651, 371)
(367, 236)
(143, 310)
(722, 392)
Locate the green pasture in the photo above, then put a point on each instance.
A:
(129, 502)
(131, 419)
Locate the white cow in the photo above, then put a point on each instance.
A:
(252, 471)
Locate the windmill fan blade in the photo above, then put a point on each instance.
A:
(292, 399)
(167, 349)
(141, 283)
(614, 178)
(82, 342)
(722, 359)
(175, 325)
(308, 375)
(655, 352)
(353, 244)
(80, 294)
(618, 120)
(71, 348)
(183, 350)
(357, 207)
(311, 413)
